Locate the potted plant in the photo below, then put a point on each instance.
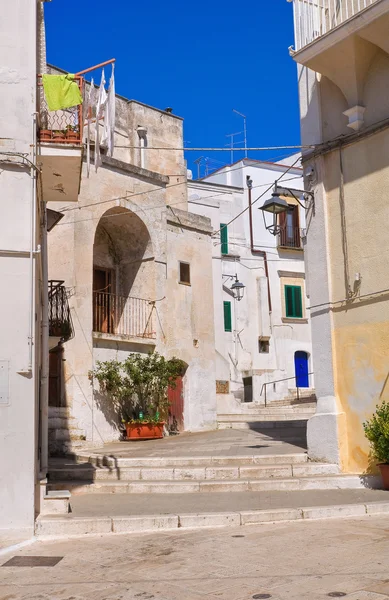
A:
(58, 134)
(138, 390)
(60, 328)
(72, 132)
(377, 432)
(45, 135)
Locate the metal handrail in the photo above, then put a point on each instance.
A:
(264, 385)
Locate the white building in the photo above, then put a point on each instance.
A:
(263, 342)
(32, 173)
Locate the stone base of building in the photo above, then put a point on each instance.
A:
(323, 431)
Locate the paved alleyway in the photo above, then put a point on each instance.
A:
(286, 561)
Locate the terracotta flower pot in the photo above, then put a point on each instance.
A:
(72, 135)
(384, 468)
(45, 134)
(144, 431)
(58, 135)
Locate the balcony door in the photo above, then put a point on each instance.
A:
(290, 228)
(103, 300)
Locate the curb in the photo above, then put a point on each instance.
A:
(49, 527)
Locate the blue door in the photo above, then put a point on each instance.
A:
(301, 369)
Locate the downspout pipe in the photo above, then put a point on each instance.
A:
(44, 382)
(32, 243)
(261, 253)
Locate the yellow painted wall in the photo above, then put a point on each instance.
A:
(358, 241)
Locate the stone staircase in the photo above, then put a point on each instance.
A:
(65, 437)
(188, 475)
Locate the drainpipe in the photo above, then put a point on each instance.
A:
(44, 383)
(253, 250)
(32, 242)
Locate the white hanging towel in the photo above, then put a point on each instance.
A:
(89, 105)
(100, 110)
(110, 115)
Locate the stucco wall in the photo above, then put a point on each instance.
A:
(128, 211)
(18, 415)
(358, 244)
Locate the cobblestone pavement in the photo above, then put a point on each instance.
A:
(306, 560)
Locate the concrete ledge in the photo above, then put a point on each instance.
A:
(52, 526)
(57, 526)
(144, 523)
(266, 516)
(229, 519)
(331, 512)
(56, 502)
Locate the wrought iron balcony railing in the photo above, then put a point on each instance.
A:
(60, 320)
(123, 315)
(315, 18)
(289, 237)
(60, 126)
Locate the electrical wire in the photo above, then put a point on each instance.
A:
(258, 149)
(129, 196)
(259, 197)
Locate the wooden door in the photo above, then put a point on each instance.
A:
(55, 377)
(103, 300)
(176, 409)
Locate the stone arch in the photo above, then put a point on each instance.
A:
(375, 94)
(333, 104)
(123, 272)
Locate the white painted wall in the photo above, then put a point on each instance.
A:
(18, 391)
(238, 352)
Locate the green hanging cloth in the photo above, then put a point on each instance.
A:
(61, 91)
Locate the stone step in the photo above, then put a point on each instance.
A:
(190, 461)
(268, 420)
(62, 423)
(327, 482)
(134, 514)
(277, 408)
(189, 473)
(66, 435)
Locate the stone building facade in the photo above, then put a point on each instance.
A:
(121, 253)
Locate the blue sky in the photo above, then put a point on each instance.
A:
(201, 58)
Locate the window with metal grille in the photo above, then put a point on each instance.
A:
(185, 273)
(224, 238)
(293, 302)
(227, 316)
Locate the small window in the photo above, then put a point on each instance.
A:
(227, 316)
(293, 302)
(185, 273)
(224, 238)
(264, 346)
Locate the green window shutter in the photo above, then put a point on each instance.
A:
(298, 305)
(224, 238)
(293, 302)
(227, 316)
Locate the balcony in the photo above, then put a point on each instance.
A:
(315, 18)
(289, 237)
(60, 320)
(60, 136)
(123, 316)
(60, 126)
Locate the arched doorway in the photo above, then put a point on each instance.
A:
(123, 275)
(301, 369)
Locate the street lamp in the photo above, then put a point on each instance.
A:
(277, 205)
(238, 288)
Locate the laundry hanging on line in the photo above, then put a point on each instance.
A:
(106, 115)
(61, 91)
